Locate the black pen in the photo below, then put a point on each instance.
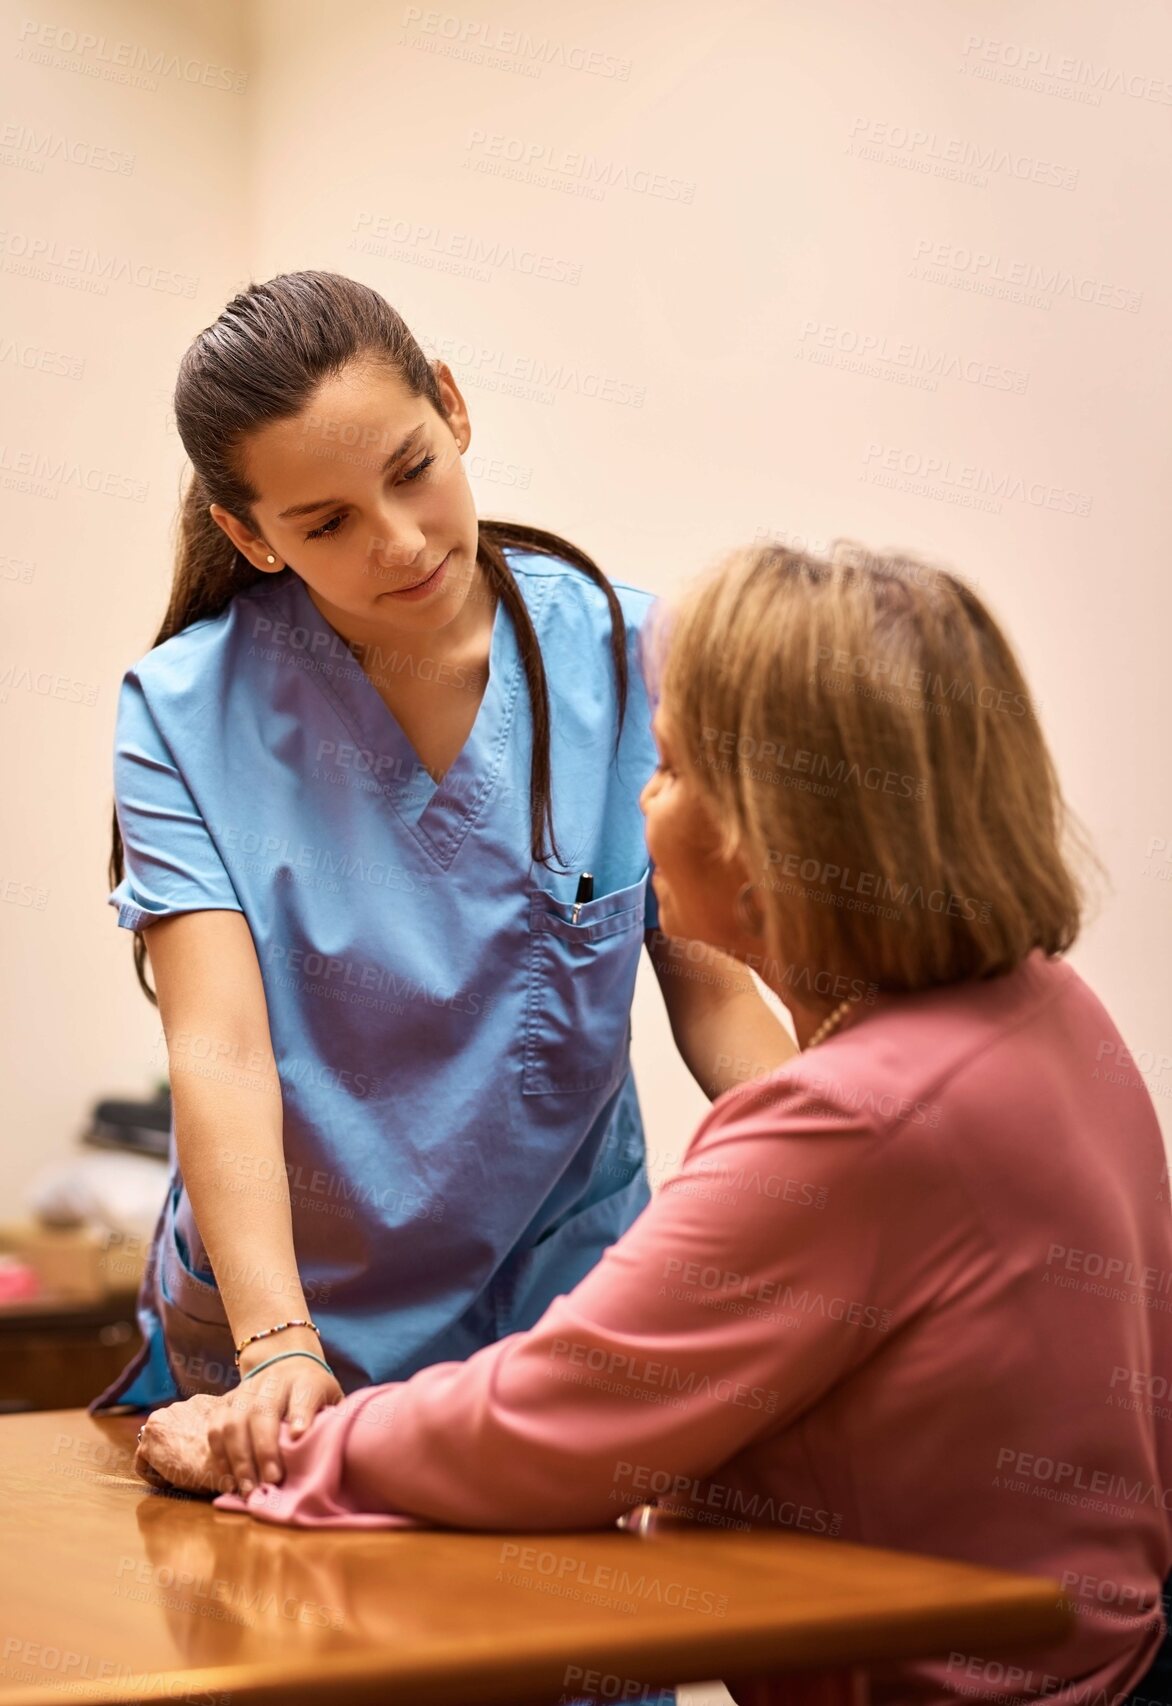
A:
(585, 893)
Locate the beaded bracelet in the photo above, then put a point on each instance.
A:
(267, 1332)
(280, 1357)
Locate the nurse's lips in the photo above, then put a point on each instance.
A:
(421, 589)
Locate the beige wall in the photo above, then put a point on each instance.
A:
(141, 198)
(767, 314)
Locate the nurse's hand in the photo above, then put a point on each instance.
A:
(243, 1428)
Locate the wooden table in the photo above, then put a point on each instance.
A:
(112, 1592)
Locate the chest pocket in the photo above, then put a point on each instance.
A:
(582, 966)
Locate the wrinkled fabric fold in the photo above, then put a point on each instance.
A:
(313, 1492)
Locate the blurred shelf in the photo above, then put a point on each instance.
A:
(58, 1352)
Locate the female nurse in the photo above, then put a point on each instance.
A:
(377, 793)
(871, 1301)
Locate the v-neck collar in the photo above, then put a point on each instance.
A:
(437, 814)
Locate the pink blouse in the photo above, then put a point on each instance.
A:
(914, 1289)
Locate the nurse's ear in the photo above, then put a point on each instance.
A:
(456, 410)
(254, 549)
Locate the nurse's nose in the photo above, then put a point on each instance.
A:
(397, 540)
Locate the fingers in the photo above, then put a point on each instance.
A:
(307, 1399)
(301, 1405)
(145, 1469)
(304, 1403)
(230, 1438)
(174, 1448)
(236, 1437)
(266, 1452)
(153, 1457)
(165, 1460)
(221, 1464)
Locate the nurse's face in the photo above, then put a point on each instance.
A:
(363, 494)
(695, 885)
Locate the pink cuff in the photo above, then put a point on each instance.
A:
(313, 1493)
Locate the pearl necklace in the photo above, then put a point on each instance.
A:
(828, 1024)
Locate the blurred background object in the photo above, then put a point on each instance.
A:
(72, 1259)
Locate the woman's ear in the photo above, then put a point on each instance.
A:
(457, 413)
(738, 870)
(257, 552)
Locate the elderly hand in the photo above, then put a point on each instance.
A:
(174, 1449)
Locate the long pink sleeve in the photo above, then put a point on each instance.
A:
(677, 1350)
(915, 1290)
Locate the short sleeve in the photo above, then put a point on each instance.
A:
(172, 864)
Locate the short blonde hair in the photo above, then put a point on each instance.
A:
(863, 735)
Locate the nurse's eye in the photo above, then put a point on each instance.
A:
(329, 529)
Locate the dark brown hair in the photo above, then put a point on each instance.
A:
(261, 362)
(862, 733)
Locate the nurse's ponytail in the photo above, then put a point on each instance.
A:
(493, 536)
(261, 362)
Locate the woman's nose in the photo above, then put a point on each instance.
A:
(397, 541)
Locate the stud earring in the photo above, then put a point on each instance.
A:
(270, 558)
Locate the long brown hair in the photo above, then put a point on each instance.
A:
(862, 733)
(261, 362)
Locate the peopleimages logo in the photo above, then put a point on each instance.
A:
(38, 40)
(885, 356)
(495, 44)
(874, 884)
(80, 1671)
(435, 245)
(891, 464)
(1056, 1472)
(543, 1562)
(702, 1496)
(1035, 66)
(78, 266)
(714, 1282)
(722, 744)
(545, 161)
(924, 683)
(1094, 1265)
(953, 156)
(662, 1376)
(34, 148)
(57, 473)
(996, 275)
(537, 378)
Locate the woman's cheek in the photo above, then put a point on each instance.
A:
(658, 842)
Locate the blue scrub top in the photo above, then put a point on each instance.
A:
(462, 1136)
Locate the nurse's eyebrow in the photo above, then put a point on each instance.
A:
(396, 456)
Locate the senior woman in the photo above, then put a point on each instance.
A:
(914, 1284)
